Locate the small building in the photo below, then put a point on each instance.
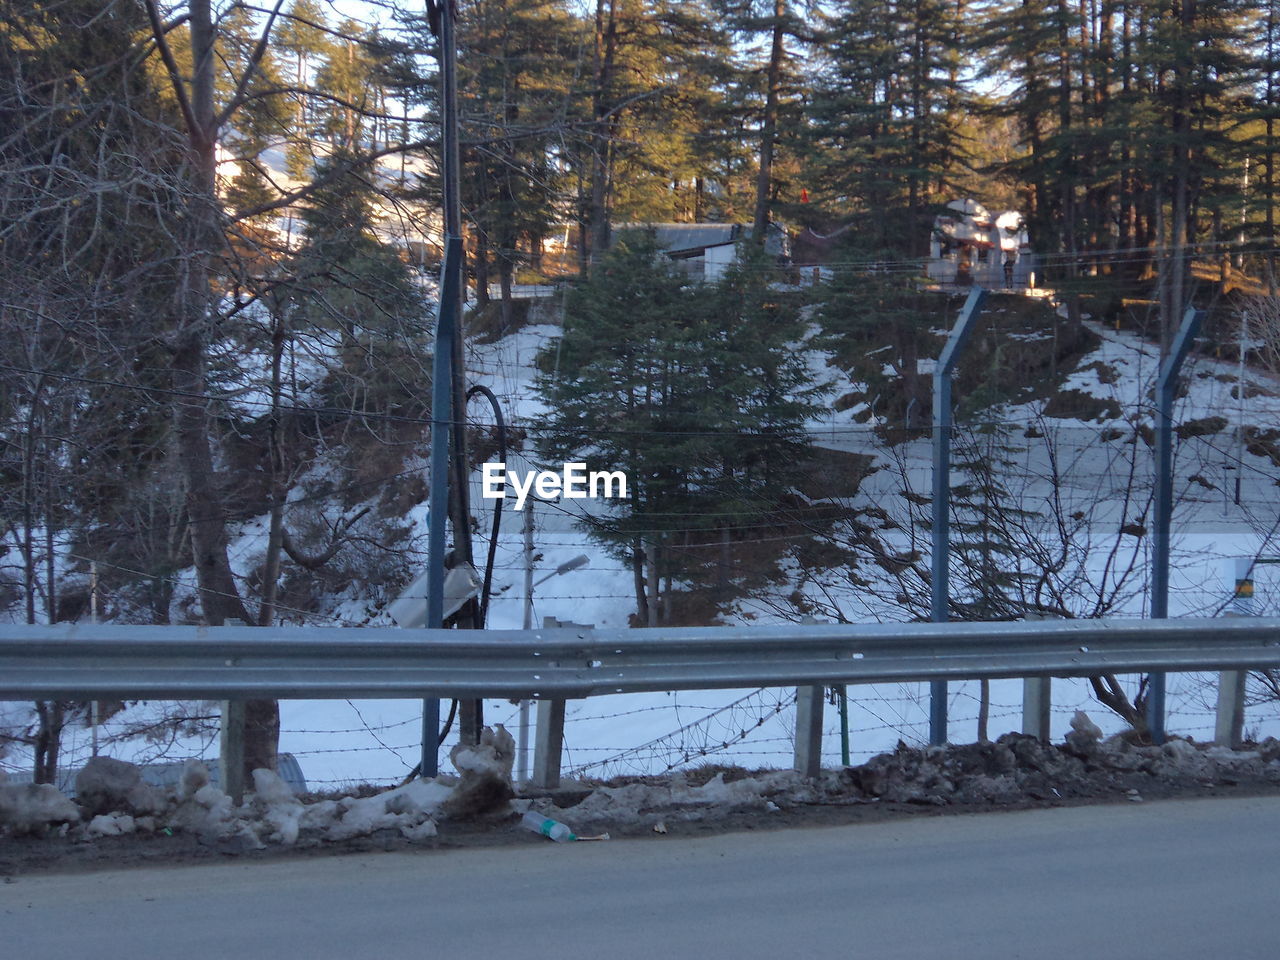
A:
(970, 246)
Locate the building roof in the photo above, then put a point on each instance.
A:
(690, 239)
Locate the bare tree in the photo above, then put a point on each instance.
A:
(1049, 521)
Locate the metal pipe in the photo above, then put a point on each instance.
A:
(939, 587)
(1166, 387)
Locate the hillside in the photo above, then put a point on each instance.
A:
(1062, 449)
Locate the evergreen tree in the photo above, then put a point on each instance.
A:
(515, 79)
(773, 74)
(884, 117)
(696, 392)
(648, 58)
(263, 122)
(347, 279)
(351, 84)
(304, 42)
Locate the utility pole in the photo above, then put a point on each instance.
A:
(448, 388)
(470, 717)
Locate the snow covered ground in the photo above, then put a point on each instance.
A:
(339, 742)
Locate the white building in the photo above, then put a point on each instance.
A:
(705, 250)
(970, 246)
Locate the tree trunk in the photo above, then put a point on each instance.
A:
(48, 745)
(652, 570)
(219, 595)
(604, 121)
(275, 534)
(637, 570)
(505, 269)
(769, 124)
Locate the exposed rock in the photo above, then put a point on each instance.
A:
(107, 785)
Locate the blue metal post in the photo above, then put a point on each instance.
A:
(441, 422)
(1166, 387)
(940, 588)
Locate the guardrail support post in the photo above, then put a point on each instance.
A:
(548, 737)
(1229, 724)
(808, 757)
(1166, 386)
(941, 553)
(1036, 700)
(548, 744)
(231, 750)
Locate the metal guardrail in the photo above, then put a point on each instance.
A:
(84, 661)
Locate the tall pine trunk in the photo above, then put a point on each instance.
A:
(769, 123)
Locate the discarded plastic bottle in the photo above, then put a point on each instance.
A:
(554, 829)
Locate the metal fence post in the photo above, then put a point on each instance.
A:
(808, 753)
(939, 587)
(1166, 386)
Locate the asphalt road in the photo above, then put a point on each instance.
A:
(1162, 881)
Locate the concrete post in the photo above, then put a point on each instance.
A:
(1036, 699)
(1228, 728)
(808, 755)
(548, 744)
(231, 752)
(548, 737)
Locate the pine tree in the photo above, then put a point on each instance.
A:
(884, 116)
(772, 30)
(263, 122)
(649, 58)
(515, 80)
(696, 392)
(304, 42)
(347, 278)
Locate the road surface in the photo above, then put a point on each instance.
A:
(1178, 879)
